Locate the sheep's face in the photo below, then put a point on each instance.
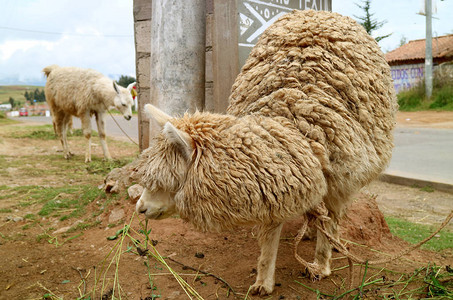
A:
(157, 204)
(123, 101)
(164, 168)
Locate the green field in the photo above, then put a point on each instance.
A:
(16, 92)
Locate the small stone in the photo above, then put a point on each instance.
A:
(116, 215)
(16, 219)
(110, 186)
(135, 192)
(174, 295)
(199, 255)
(61, 230)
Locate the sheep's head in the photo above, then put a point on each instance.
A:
(165, 168)
(123, 101)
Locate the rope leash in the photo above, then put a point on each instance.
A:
(106, 108)
(320, 213)
(121, 128)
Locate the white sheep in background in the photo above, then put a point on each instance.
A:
(82, 93)
(309, 123)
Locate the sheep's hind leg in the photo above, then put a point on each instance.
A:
(323, 252)
(268, 239)
(66, 121)
(101, 129)
(86, 127)
(59, 128)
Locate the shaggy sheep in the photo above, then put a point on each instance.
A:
(83, 92)
(310, 122)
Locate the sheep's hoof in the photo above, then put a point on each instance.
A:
(87, 160)
(317, 272)
(261, 289)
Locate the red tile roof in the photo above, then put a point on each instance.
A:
(415, 50)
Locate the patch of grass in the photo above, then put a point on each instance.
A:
(79, 132)
(67, 201)
(44, 132)
(427, 189)
(71, 204)
(413, 233)
(6, 121)
(30, 217)
(35, 132)
(5, 210)
(104, 167)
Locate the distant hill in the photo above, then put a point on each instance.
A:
(16, 92)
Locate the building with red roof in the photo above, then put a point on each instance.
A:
(407, 62)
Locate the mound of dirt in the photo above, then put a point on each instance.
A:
(365, 223)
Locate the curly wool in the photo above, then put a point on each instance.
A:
(324, 73)
(310, 119)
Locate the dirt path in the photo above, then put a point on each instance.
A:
(418, 205)
(425, 119)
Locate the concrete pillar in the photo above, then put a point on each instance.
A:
(177, 61)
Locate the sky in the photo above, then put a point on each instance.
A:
(98, 34)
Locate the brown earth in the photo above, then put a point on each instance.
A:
(31, 268)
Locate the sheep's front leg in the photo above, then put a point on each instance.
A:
(101, 129)
(268, 239)
(86, 127)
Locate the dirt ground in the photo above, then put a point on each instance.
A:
(37, 269)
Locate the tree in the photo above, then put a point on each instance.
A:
(403, 41)
(125, 80)
(368, 22)
(12, 102)
(28, 96)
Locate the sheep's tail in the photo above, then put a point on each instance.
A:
(49, 69)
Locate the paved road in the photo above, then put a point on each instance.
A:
(419, 153)
(423, 153)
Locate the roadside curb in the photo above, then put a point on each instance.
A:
(439, 186)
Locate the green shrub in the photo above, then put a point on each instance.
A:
(411, 99)
(443, 98)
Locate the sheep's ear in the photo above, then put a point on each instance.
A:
(131, 86)
(180, 139)
(154, 113)
(116, 88)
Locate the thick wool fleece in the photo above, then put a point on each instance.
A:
(310, 119)
(74, 90)
(325, 74)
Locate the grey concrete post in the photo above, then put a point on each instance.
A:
(178, 33)
(428, 50)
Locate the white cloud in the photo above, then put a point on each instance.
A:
(9, 48)
(88, 34)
